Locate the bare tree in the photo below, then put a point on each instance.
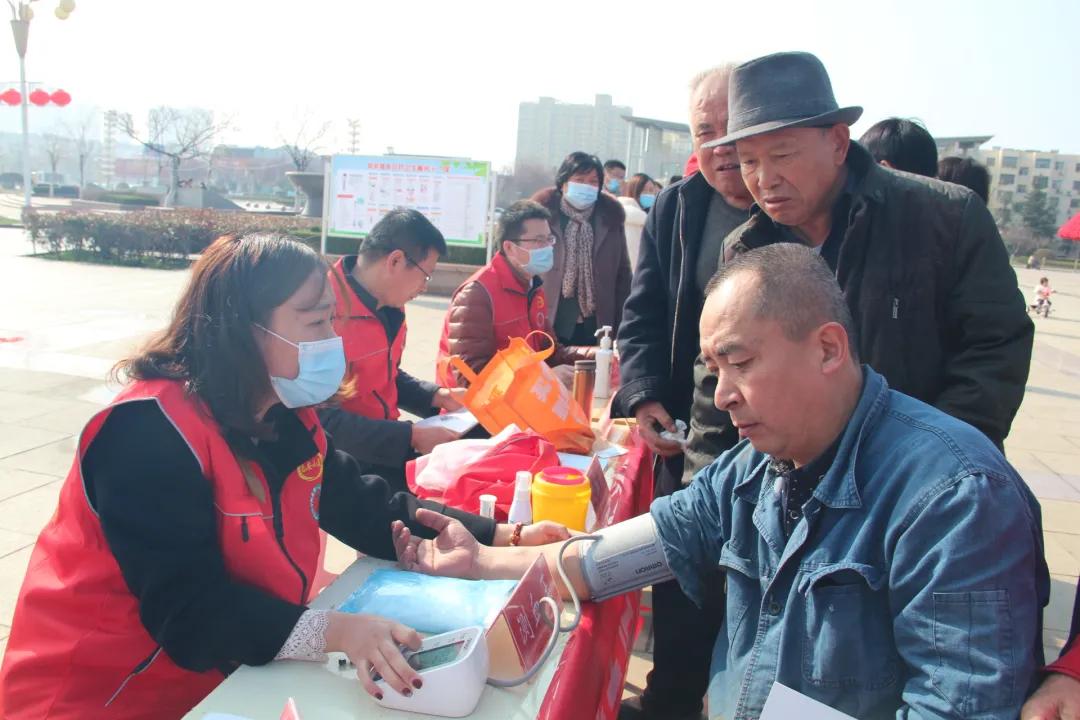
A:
(55, 148)
(525, 179)
(175, 135)
(302, 143)
(82, 138)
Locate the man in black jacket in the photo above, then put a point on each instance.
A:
(936, 305)
(658, 341)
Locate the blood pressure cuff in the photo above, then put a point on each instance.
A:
(628, 556)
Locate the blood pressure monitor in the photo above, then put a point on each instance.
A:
(454, 665)
(454, 668)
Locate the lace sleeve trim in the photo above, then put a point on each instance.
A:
(307, 641)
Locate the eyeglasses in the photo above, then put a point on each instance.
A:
(427, 278)
(543, 240)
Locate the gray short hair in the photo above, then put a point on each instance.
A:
(699, 79)
(795, 288)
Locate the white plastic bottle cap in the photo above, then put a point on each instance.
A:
(487, 506)
(523, 480)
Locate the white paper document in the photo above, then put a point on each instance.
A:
(784, 703)
(580, 462)
(460, 421)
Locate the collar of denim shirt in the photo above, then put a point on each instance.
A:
(839, 488)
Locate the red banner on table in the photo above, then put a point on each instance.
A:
(589, 679)
(529, 619)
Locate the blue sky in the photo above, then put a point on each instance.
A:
(446, 78)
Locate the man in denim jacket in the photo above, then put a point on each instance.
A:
(881, 556)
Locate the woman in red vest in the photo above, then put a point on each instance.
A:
(505, 298)
(187, 531)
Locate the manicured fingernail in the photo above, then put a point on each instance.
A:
(407, 692)
(378, 696)
(417, 684)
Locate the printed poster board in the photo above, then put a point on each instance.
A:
(455, 194)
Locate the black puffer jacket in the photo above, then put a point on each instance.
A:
(658, 339)
(936, 306)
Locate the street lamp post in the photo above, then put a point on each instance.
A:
(21, 15)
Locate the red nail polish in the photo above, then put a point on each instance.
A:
(417, 684)
(407, 692)
(378, 696)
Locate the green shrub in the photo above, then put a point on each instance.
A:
(169, 234)
(123, 237)
(338, 245)
(129, 199)
(467, 255)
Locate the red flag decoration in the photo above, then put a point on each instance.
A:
(60, 98)
(11, 96)
(1071, 229)
(39, 97)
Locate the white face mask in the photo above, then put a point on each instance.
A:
(322, 368)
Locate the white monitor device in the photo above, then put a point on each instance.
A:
(454, 668)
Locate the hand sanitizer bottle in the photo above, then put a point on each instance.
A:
(602, 388)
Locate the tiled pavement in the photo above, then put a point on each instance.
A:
(62, 325)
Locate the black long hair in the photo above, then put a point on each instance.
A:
(210, 343)
(578, 162)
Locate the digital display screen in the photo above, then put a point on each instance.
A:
(427, 659)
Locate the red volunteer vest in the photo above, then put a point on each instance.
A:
(514, 312)
(77, 648)
(373, 360)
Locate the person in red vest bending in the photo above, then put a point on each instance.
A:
(186, 535)
(1058, 698)
(392, 266)
(505, 298)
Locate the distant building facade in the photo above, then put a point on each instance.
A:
(549, 130)
(1014, 174)
(657, 147)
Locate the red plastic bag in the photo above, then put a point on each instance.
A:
(491, 474)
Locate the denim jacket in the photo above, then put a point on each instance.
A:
(913, 586)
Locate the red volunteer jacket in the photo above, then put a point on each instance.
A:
(372, 360)
(77, 647)
(516, 311)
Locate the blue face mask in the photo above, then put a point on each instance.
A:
(581, 195)
(322, 368)
(540, 260)
(646, 201)
(613, 185)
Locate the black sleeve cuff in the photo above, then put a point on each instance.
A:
(481, 528)
(632, 394)
(415, 395)
(372, 442)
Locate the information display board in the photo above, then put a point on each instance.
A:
(454, 194)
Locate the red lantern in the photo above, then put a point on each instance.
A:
(61, 98)
(39, 97)
(11, 96)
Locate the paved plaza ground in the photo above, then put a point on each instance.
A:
(63, 325)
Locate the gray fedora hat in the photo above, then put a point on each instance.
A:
(783, 90)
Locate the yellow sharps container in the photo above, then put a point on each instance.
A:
(562, 495)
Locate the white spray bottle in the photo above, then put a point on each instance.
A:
(602, 389)
(521, 507)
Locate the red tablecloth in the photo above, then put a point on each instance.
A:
(589, 678)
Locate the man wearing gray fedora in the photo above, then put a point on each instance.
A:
(936, 304)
